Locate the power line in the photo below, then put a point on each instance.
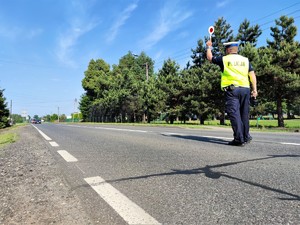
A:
(298, 10)
(276, 12)
(178, 57)
(175, 57)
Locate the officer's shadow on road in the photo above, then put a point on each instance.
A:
(209, 172)
(199, 138)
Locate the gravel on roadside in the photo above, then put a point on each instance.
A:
(32, 188)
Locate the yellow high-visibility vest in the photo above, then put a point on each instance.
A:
(236, 71)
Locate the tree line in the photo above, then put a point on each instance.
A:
(4, 111)
(132, 92)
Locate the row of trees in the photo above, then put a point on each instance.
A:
(131, 91)
(4, 111)
(62, 117)
(16, 118)
(6, 119)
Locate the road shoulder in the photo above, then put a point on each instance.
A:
(32, 189)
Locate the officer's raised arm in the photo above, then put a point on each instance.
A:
(209, 47)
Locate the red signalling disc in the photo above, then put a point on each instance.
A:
(211, 29)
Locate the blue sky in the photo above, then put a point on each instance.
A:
(46, 45)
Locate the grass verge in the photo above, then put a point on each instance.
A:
(7, 136)
(292, 125)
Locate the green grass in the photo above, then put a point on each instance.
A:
(7, 138)
(293, 123)
(261, 125)
(267, 125)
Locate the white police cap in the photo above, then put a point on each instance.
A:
(231, 44)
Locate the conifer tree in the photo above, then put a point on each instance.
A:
(169, 81)
(95, 83)
(279, 65)
(4, 112)
(248, 34)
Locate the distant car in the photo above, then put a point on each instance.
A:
(34, 121)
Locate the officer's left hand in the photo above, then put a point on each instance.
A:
(254, 94)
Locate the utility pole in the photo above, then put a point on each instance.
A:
(147, 78)
(10, 114)
(73, 113)
(147, 68)
(75, 101)
(58, 113)
(147, 71)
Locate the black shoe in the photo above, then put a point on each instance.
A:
(236, 143)
(249, 140)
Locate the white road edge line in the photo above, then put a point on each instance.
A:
(44, 135)
(286, 143)
(179, 134)
(127, 209)
(226, 138)
(67, 156)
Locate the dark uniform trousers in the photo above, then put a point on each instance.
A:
(237, 104)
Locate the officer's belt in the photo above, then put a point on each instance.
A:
(230, 87)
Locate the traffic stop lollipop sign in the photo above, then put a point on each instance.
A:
(211, 30)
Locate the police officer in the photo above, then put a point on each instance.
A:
(236, 71)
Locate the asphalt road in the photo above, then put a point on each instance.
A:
(160, 175)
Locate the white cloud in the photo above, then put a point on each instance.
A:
(69, 39)
(183, 34)
(125, 15)
(222, 3)
(158, 55)
(80, 24)
(171, 18)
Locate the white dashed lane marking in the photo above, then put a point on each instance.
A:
(53, 144)
(128, 210)
(67, 156)
(43, 135)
